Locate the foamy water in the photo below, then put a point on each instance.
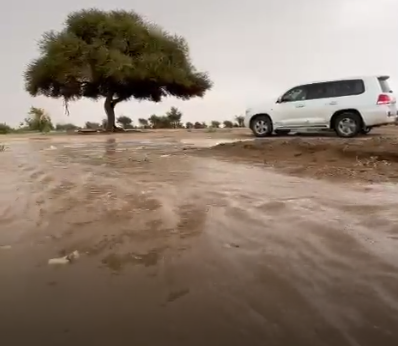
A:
(177, 248)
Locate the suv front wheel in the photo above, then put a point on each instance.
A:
(348, 125)
(366, 130)
(262, 126)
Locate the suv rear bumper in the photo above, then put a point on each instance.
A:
(379, 116)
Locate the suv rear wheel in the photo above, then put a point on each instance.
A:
(262, 126)
(348, 125)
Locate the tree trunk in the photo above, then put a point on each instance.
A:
(109, 106)
(110, 113)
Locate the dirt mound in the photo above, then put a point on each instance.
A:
(370, 159)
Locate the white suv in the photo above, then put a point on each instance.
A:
(348, 106)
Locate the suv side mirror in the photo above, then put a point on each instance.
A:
(279, 100)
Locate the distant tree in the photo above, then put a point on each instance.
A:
(143, 122)
(240, 120)
(215, 124)
(204, 125)
(125, 121)
(198, 125)
(92, 126)
(189, 125)
(66, 127)
(174, 116)
(115, 55)
(154, 121)
(4, 129)
(228, 124)
(38, 120)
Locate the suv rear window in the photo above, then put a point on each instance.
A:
(385, 87)
(349, 87)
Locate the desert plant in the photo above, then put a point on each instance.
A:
(228, 124)
(115, 55)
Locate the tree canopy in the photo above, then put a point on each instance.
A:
(116, 55)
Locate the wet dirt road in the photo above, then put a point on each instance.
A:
(182, 250)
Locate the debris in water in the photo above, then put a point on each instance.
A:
(66, 259)
(166, 155)
(51, 147)
(5, 247)
(231, 245)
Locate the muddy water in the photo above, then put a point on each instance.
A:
(177, 250)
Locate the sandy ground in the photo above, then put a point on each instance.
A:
(181, 244)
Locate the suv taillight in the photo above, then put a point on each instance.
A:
(383, 99)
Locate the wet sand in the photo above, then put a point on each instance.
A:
(181, 248)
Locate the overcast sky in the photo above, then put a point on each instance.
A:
(253, 49)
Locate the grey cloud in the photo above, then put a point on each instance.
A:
(252, 49)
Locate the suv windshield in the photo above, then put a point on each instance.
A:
(385, 87)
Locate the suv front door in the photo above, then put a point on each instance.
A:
(290, 108)
(320, 104)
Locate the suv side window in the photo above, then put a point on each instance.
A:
(296, 94)
(335, 89)
(349, 87)
(320, 90)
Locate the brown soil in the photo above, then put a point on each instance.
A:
(373, 159)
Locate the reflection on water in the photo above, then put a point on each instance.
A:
(176, 248)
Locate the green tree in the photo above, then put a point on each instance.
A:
(240, 120)
(38, 120)
(174, 116)
(228, 124)
(189, 125)
(215, 124)
(115, 55)
(143, 122)
(125, 121)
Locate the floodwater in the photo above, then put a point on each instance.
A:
(180, 250)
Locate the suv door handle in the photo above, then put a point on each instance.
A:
(332, 103)
(300, 106)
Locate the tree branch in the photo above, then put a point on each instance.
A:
(117, 100)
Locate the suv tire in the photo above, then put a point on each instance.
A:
(365, 130)
(282, 132)
(348, 125)
(261, 125)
